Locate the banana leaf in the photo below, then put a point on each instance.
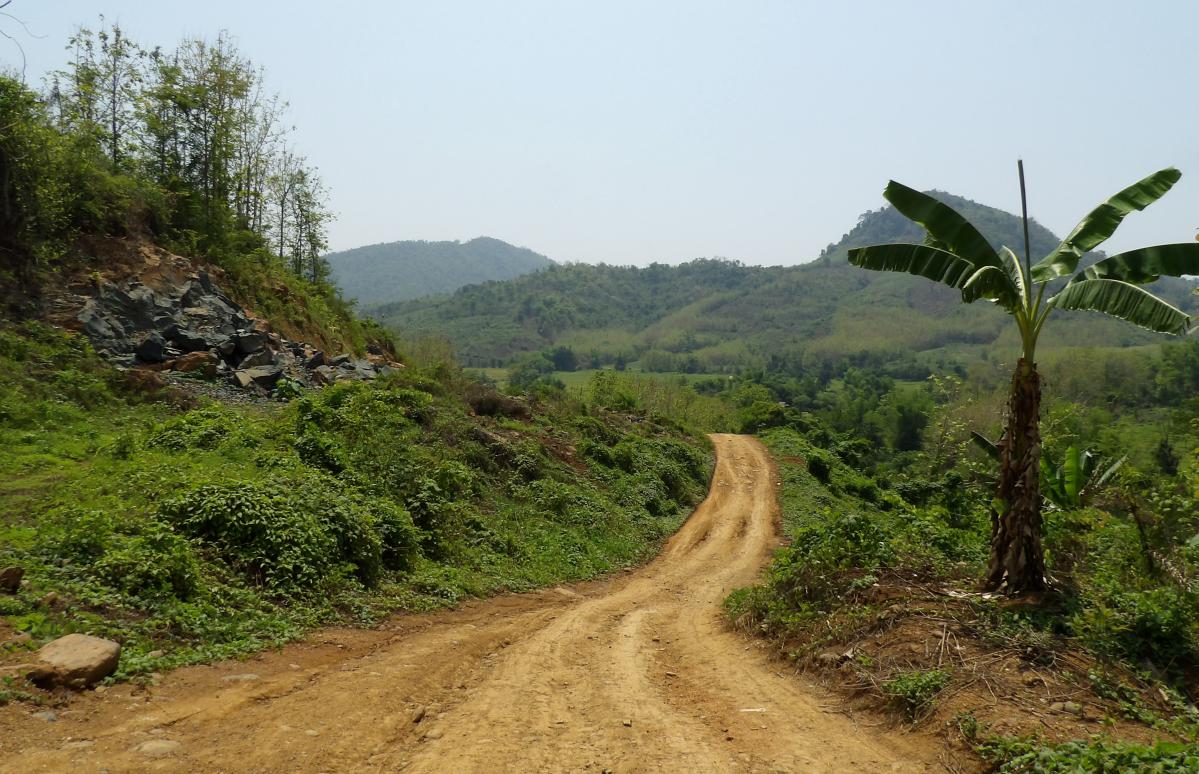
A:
(1101, 222)
(1128, 302)
(1147, 264)
(946, 228)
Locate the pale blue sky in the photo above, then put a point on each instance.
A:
(638, 131)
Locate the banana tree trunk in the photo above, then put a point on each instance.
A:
(1017, 557)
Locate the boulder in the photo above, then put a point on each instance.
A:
(340, 360)
(263, 376)
(249, 341)
(76, 661)
(205, 362)
(225, 346)
(152, 349)
(187, 340)
(10, 579)
(263, 357)
(324, 374)
(315, 360)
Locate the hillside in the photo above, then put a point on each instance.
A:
(204, 452)
(398, 271)
(715, 316)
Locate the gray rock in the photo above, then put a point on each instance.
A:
(324, 375)
(340, 360)
(46, 715)
(10, 579)
(249, 341)
(187, 340)
(263, 376)
(152, 349)
(76, 661)
(225, 346)
(315, 361)
(263, 357)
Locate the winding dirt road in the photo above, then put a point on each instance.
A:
(632, 674)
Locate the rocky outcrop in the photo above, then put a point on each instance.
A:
(181, 321)
(75, 661)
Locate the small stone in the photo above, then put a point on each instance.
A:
(312, 732)
(434, 733)
(46, 715)
(627, 723)
(159, 748)
(156, 654)
(418, 714)
(50, 600)
(79, 744)
(10, 579)
(244, 678)
(1067, 707)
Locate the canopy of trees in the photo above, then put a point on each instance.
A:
(186, 143)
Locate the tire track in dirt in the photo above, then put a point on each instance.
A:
(632, 674)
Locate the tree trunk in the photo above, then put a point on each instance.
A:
(1017, 557)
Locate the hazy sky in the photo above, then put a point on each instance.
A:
(637, 131)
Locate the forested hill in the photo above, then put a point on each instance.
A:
(715, 316)
(398, 271)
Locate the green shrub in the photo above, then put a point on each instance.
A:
(289, 542)
(157, 563)
(914, 692)
(1025, 756)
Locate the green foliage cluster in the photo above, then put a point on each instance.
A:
(914, 692)
(401, 271)
(1021, 756)
(220, 530)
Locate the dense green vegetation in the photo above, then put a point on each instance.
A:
(711, 316)
(199, 533)
(399, 271)
(885, 502)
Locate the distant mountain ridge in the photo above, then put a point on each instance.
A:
(720, 316)
(399, 271)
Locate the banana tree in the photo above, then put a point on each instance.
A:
(957, 255)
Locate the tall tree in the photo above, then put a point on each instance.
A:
(119, 74)
(957, 255)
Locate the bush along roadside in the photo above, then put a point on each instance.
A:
(879, 596)
(197, 533)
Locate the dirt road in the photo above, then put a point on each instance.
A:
(632, 674)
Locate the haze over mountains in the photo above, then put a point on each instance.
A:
(720, 316)
(398, 271)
